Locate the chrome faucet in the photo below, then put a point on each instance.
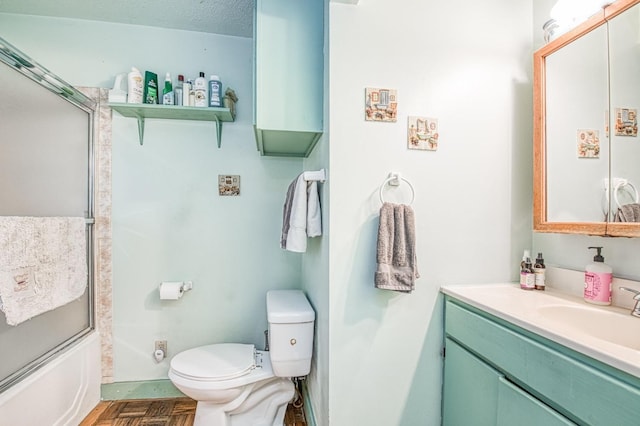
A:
(636, 309)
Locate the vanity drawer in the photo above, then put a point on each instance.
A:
(582, 392)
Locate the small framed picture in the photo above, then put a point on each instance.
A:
(380, 104)
(422, 133)
(626, 122)
(588, 143)
(229, 185)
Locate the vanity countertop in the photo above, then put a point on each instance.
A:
(606, 333)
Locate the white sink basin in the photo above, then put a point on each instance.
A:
(613, 327)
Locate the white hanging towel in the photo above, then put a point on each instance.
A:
(43, 264)
(301, 216)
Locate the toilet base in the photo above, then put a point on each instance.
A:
(262, 404)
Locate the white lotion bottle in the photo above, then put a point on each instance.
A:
(134, 87)
(186, 91)
(597, 280)
(200, 90)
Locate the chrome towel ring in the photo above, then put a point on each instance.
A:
(620, 184)
(394, 180)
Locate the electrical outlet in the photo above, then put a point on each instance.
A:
(162, 345)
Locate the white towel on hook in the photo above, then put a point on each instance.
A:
(301, 215)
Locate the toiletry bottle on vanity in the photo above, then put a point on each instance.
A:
(597, 280)
(527, 279)
(539, 273)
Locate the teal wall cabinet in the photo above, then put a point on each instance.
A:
(499, 374)
(288, 76)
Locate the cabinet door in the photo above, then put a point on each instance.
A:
(470, 395)
(289, 76)
(516, 407)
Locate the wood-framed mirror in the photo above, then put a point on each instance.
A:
(586, 144)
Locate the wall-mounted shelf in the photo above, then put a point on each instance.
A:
(172, 112)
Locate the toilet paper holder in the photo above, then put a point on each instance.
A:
(173, 290)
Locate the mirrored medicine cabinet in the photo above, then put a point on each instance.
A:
(586, 142)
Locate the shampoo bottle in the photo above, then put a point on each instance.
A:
(150, 87)
(135, 87)
(597, 280)
(186, 91)
(215, 91)
(200, 90)
(167, 92)
(177, 91)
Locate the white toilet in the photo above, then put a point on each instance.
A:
(237, 385)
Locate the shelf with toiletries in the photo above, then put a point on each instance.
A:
(172, 112)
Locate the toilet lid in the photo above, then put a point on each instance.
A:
(221, 361)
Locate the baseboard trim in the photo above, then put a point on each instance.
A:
(139, 390)
(308, 411)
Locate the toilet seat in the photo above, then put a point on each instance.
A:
(218, 362)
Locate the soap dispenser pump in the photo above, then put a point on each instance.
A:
(597, 280)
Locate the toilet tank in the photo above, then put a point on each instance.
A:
(291, 319)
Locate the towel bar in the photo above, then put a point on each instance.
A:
(318, 175)
(394, 180)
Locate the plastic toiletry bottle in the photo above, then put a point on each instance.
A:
(167, 92)
(215, 91)
(200, 91)
(524, 258)
(597, 280)
(527, 279)
(134, 86)
(539, 273)
(118, 94)
(150, 87)
(186, 91)
(177, 91)
(192, 93)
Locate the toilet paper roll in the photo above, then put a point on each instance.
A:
(170, 290)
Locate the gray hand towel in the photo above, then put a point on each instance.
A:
(628, 213)
(397, 268)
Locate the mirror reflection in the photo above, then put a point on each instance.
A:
(624, 51)
(587, 95)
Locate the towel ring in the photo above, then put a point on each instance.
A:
(394, 180)
(621, 185)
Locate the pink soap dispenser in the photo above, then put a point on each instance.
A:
(597, 280)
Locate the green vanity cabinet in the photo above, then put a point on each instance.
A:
(496, 373)
(477, 394)
(288, 76)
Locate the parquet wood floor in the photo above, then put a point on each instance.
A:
(160, 412)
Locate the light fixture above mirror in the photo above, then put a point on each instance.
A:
(567, 14)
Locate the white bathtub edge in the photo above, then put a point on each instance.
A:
(60, 393)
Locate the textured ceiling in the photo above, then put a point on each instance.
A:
(229, 17)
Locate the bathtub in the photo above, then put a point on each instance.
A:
(61, 393)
